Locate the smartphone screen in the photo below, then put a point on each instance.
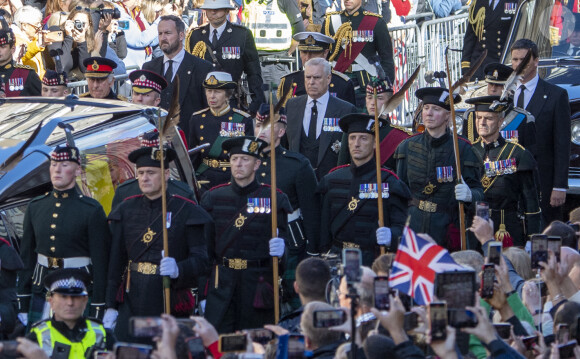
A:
(493, 252)
(503, 330)
(352, 262)
(261, 335)
(123, 24)
(563, 333)
(487, 279)
(328, 318)
(132, 351)
(539, 250)
(530, 341)
(145, 327)
(296, 347)
(411, 321)
(482, 210)
(232, 343)
(456, 289)
(554, 244)
(195, 348)
(566, 350)
(381, 289)
(438, 320)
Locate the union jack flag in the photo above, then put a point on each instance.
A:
(416, 262)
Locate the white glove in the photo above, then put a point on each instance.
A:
(528, 247)
(169, 267)
(23, 318)
(110, 318)
(384, 236)
(462, 192)
(277, 247)
(202, 305)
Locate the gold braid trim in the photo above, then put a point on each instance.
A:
(470, 133)
(280, 89)
(199, 49)
(478, 20)
(344, 33)
(187, 37)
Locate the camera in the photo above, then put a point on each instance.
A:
(79, 25)
(116, 14)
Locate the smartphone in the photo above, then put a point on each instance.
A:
(296, 347)
(503, 330)
(190, 323)
(352, 262)
(233, 343)
(411, 321)
(438, 320)
(195, 348)
(456, 288)
(53, 36)
(123, 24)
(487, 280)
(145, 327)
(554, 244)
(132, 351)
(494, 252)
(530, 341)
(381, 290)
(261, 335)
(10, 350)
(539, 250)
(563, 333)
(566, 350)
(482, 210)
(329, 318)
(100, 354)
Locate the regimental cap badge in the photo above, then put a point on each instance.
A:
(310, 40)
(95, 66)
(143, 78)
(253, 147)
(212, 81)
(495, 74)
(9, 36)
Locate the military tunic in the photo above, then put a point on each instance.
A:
(11, 265)
(20, 80)
(135, 286)
(349, 219)
(211, 165)
(504, 187)
(234, 53)
(62, 224)
(131, 187)
(433, 208)
(340, 86)
(111, 96)
(240, 292)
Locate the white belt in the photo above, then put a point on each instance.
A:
(73, 262)
(294, 215)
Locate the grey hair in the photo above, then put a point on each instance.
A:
(27, 15)
(319, 61)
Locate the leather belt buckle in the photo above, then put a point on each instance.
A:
(350, 245)
(238, 263)
(427, 206)
(146, 268)
(55, 262)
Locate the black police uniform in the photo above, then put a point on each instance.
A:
(61, 225)
(19, 80)
(340, 86)
(212, 165)
(504, 184)
(234, 53)
(240, 292)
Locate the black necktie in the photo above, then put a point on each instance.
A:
(169, 73)
(520, 103)
(313, 121)
(214, 39)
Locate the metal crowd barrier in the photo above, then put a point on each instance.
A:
(79, 87)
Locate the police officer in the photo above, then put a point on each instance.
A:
(230, 48)
(348, 197)
(135, 286)
(518, 125)
(241, 246)
(296, 178)
(390, 135)
(68, 334)
(146, 87)
(62, 229)
(214, 125)
(426, 163)
(509, 174)
(54, 84)
(17, 80)
(100, 78)
(489, 24)
(359, 36)
(311, 45)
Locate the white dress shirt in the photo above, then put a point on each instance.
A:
(321, 104)
(530, 88)
(177, 59)
(220, 30)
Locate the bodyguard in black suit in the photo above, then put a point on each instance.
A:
(550, 107)
(190, 70)
(319, 141)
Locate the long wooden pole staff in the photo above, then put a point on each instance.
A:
(274, 207)
(378, 165)
(166, 279)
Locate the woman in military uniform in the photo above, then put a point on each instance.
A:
(214, 125)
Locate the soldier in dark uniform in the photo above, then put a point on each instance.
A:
(488, 29)
(296, 178)
(214, 125)
(230, 48)
(17, 80)
(241, 247)
(348, 195)
(311, 45)
(426, 162)
(146, 87)
(509, 174)
(11, 265)
(54, 84)
(62, 229)
(390, 135)
(365, 36)
(130, 187)
(135, 286)
(518, 125)
(100, 78)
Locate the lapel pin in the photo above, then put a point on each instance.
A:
(545, 96)
(229, 30)
(189, 72)
(203, 31)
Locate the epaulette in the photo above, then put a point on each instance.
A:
(19, 66)
(86, 94)
(341, 75)
(371, 14)
(338, 167)
(389, 171)
(296, 155)
(245, 114)
(34, 325)
(122, 98)
(220, 185)
(517, 144)
(333, 13)
(200, 111)
(404, 129)
(89, 200)
(183, 198)
(134, 196)
(416, 134)
(277, 189)
(464, 140)
(40, 197)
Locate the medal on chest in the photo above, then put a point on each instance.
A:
(369, 190)
(444, 174)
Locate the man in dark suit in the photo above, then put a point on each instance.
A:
(570, 46)
(318, 140)
(550, 107)
(176, 62)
